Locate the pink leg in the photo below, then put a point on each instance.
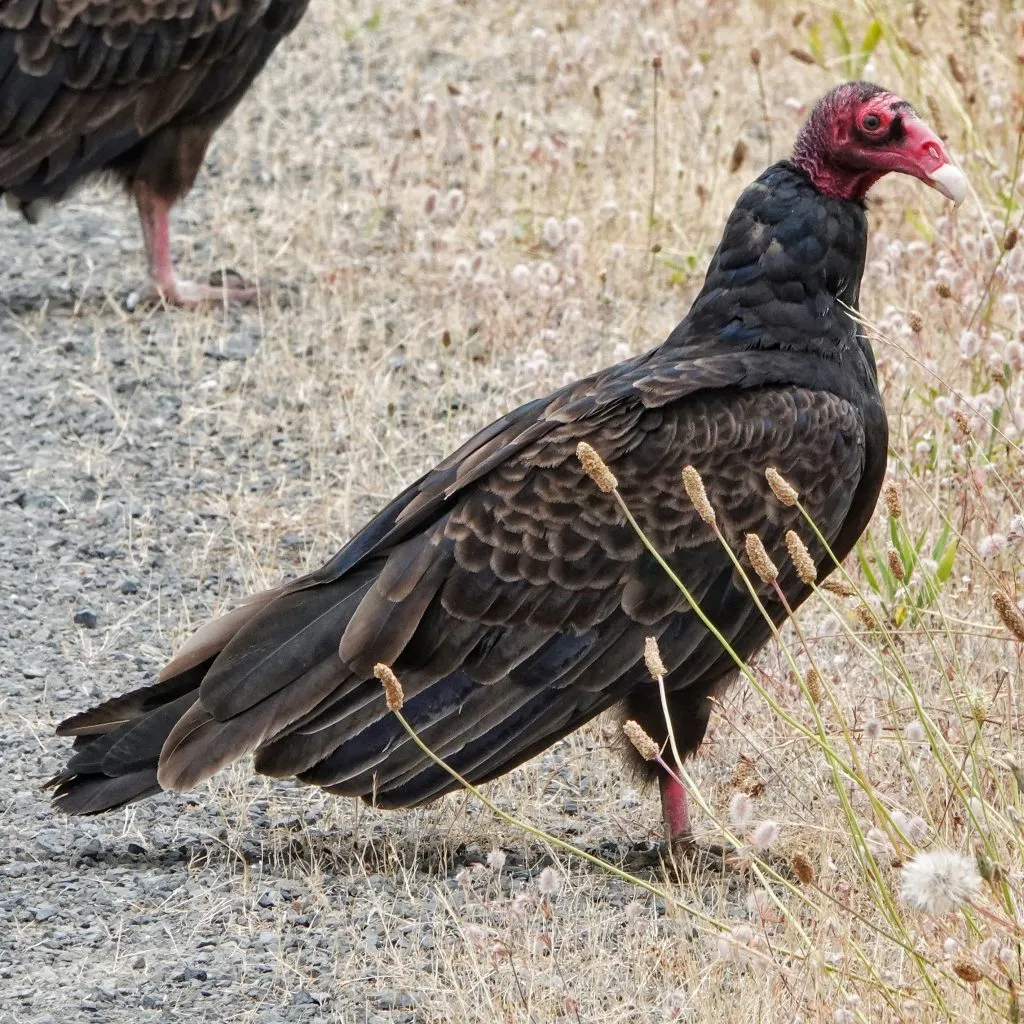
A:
(154, 213)
(674, 809)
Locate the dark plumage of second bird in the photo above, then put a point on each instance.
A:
(133, 88)
(507, 592)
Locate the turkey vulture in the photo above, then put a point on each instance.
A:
(506, 589)
(132, 87)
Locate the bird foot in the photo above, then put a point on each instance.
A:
(224, 287)
(684, 855)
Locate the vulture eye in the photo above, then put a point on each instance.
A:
(871, 122)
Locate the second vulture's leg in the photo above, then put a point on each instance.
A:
(154, 215)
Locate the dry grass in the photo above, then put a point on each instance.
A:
(462, 195)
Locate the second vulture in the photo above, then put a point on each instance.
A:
(135, 88)
(506, 590)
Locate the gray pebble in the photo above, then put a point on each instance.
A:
(86, 618)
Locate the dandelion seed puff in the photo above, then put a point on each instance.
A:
(550, 882)
(553, 233)
(938, 881)
(741, 811)
(951, 946)
(989, 949)
(765, 834)
(574, 229)
(574, 255)
(844, 1016)
(487, 238)
(496, 860)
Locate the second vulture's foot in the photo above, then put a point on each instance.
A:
(223, 288)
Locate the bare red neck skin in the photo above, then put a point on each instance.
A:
(810, 154)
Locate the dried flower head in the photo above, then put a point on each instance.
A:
(893, 500)
(802, 868)
(763, 565)
(915, 732)
(916, 321)
(1011, 239)
(896, 564)
(645, 745)
(879, 845)
(963, 424)
(781, 487)
(550, 882)
(977, 704)
(741, 811)
(812, 679)
(765, 834)
(838, 588)
(964, 967)
(596, 468)
(938, 881)
(652, 658)
(1012, 616)
(872, 730)
(802, 561)
(392, 687)
(695, 490)
(496, 860)
(743, 770)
